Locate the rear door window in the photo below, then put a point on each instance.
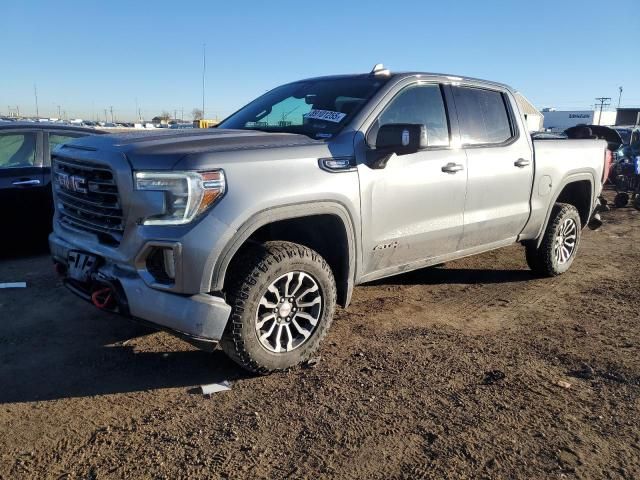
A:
(18, 150)
(483, 116)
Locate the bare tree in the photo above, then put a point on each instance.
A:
(165, 116)
(196, 113)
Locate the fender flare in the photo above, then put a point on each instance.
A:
(571, 178)
(218, 266)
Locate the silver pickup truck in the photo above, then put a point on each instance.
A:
(249, 234)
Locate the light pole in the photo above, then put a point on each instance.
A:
(204, 70)
(35, 94)
(619, 96)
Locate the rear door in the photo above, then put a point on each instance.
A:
(499, 163)
(22, 189)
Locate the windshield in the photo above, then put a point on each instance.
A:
(316, 108)
(625, 134)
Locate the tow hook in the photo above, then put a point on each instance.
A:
(103, 298)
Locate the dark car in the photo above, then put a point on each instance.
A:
(630, 147)
(25, 177)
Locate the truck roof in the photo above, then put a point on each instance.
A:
(426, 75)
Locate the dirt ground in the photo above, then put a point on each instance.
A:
(451, 372)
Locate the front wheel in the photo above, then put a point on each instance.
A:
(559, 244)
(283, 297)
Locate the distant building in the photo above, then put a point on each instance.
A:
(628, 116)
(560, 120)
(531, 114)
(160, 121)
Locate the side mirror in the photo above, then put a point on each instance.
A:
(398, 138)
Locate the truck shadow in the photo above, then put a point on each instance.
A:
(53, 346)
(438, 275)
(16, 249)
(93, 358)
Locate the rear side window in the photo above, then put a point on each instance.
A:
(17, 150)
(482, 115)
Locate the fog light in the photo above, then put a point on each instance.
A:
(160, 263)
(169, 263)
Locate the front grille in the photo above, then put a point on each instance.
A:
(88, 199)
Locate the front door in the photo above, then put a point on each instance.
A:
(412, 210)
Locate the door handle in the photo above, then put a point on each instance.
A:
(26, 183)
(521, 163)
(452, 168)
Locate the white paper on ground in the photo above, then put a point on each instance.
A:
(14, 285)
(215, 387)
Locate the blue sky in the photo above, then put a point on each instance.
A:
(87, 55)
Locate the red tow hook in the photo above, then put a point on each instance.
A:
(102, 298)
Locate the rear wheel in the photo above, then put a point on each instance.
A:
(559, 244)
(283, 297)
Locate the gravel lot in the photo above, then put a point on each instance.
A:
(470, 370)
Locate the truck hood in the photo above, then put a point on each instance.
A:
(163, 149)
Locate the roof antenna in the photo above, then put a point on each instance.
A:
(378, 69)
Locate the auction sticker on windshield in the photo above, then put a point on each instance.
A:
(326, 115)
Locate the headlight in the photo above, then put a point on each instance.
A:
(188, 194)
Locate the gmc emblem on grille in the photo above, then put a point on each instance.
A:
(74, 183)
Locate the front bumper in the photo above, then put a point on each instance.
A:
(199, 319)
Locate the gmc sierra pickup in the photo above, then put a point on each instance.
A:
(249, 234)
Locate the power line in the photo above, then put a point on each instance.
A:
(604, 102)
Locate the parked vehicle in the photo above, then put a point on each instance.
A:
(626, 178)
(25, 177)
(630, 137)
(624, 143)
(608, 134)
(249, 234)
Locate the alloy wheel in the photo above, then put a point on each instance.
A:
(565, 241)
(288, 312)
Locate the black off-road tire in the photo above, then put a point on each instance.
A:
(542, 260)
(250, 276)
